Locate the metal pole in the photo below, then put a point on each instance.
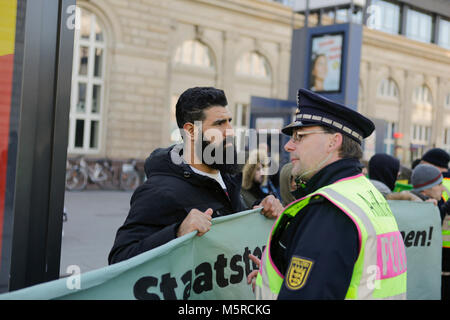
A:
(42, 145)
(307, 14)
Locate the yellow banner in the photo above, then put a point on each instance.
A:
(8, 13)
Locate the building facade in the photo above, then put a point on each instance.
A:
(133, 58)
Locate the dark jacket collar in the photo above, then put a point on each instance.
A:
(169, 161)
(330, 174)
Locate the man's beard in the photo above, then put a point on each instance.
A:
(226, 158)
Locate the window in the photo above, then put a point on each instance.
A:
(388, 88)
(418, 26)
(193, 52)
(342, 15)
(446, 142)
(422, 95)
(389, 141)
(385, 16)
(87, 85)
(253, 64)
(444, 33)
(421, 134)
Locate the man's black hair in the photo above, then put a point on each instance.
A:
(193, 101)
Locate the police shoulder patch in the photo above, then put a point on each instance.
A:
(298, 272)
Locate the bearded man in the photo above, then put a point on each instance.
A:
(190, 183)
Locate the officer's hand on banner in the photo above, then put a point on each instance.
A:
(252, 276)
(271, 207)
(196, 220)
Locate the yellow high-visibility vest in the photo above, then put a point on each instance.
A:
(380, 270)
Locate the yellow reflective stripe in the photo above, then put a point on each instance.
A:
(390, 287)
(259, 280)
(446, 183)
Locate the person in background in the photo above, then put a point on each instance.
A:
(439, 158)
(364, 168)
(287, 184)
(415, 163)
(255, 182)
(427, 183)
(404, 175)
(383, 172)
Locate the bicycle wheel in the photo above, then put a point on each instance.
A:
(129, 181)
(105, 180)
(76, 179)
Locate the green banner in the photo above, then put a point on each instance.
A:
(215, 266)
(420, 226)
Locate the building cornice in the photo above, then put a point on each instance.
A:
(262, 9)
(404, 45)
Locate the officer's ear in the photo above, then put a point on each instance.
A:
(335, 142)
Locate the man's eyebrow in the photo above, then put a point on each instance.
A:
(222, 121)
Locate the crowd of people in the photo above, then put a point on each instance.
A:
(317, 251)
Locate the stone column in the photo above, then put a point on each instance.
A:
(226, 80)
(406, 110)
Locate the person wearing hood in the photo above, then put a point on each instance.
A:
(383, 172)
(187, 184)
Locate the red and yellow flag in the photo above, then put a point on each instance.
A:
(8, 14)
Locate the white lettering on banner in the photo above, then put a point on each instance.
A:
(73, 282)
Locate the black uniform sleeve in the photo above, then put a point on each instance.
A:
(147, 226)
(327, 240)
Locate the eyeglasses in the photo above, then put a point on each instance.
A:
(298, 136)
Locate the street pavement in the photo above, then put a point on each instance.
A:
(93, 219)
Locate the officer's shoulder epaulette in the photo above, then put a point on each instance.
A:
(316, 200)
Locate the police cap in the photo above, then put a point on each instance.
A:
(316, 110)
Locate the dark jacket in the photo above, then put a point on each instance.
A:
(321, 233)
(160, 205)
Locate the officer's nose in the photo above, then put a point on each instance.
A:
(289, 146)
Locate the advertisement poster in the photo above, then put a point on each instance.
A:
(326, 56)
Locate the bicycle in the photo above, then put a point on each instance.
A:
(130, 178)
(79, 174)
(76, 175)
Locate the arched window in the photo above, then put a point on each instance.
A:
(422, 95)
(253, 64)
(388, 88)
(193, 52)
(87, 85)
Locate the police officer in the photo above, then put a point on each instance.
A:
(340, 239)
